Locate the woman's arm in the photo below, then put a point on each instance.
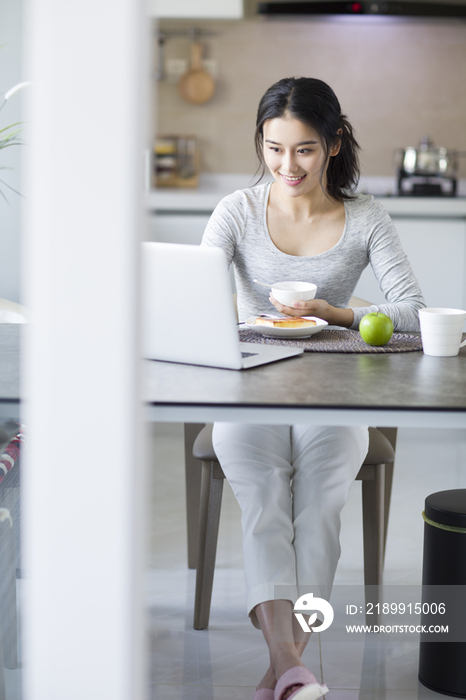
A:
(394, 274)
(319, 308)
(225, 226)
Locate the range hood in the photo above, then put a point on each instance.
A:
(393, 8)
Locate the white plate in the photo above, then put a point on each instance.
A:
(272, 332)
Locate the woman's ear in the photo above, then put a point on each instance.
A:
(336, 148)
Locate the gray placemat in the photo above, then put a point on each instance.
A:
(337, 341)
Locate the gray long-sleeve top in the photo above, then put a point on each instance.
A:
(239, 226)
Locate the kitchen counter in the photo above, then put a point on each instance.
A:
(213, 187)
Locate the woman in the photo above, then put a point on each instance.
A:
(292, 481)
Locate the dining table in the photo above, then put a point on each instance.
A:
(402, 389)
(405, 389)
(11, 335)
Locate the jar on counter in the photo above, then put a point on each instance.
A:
(176, 161)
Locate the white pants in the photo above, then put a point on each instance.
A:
(291, 482)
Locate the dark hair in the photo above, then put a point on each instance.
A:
(314, 103)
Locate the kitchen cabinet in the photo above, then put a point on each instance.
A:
(178, 227)
(436, 249)
(196, 9)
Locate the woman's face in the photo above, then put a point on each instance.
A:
(294, 154)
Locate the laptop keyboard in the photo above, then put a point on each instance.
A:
(248, 354)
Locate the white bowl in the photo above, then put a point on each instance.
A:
(288, 292)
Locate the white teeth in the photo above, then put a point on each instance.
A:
(288, 177)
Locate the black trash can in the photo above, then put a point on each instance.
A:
(442, 664)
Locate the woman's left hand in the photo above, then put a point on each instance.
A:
(316, 307)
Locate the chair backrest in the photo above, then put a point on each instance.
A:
(390, 434)
(356, 301)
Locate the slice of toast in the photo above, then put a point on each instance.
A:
(288, 322)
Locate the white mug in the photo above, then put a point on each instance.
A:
(441, 331)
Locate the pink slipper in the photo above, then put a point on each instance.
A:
(299, 675)
(264, 694)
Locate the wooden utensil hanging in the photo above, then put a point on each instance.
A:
(196, 85)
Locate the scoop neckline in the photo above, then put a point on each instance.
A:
(288, 255)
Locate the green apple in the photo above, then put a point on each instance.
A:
(376, 328)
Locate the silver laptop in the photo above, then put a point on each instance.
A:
(188, 311)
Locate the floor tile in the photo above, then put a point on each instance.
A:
(193, 692)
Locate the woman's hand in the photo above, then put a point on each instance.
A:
(316, 307)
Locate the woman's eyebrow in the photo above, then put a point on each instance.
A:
(301, 143)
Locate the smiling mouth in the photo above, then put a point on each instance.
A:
(292, 179)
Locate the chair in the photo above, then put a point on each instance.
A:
(376, 475)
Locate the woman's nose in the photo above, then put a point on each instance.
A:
(290, 163)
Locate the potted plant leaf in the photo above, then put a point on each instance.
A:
(9, 135)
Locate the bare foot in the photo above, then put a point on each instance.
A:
(269, 680)
(284, 664)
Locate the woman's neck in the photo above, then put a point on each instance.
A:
(307, 206)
